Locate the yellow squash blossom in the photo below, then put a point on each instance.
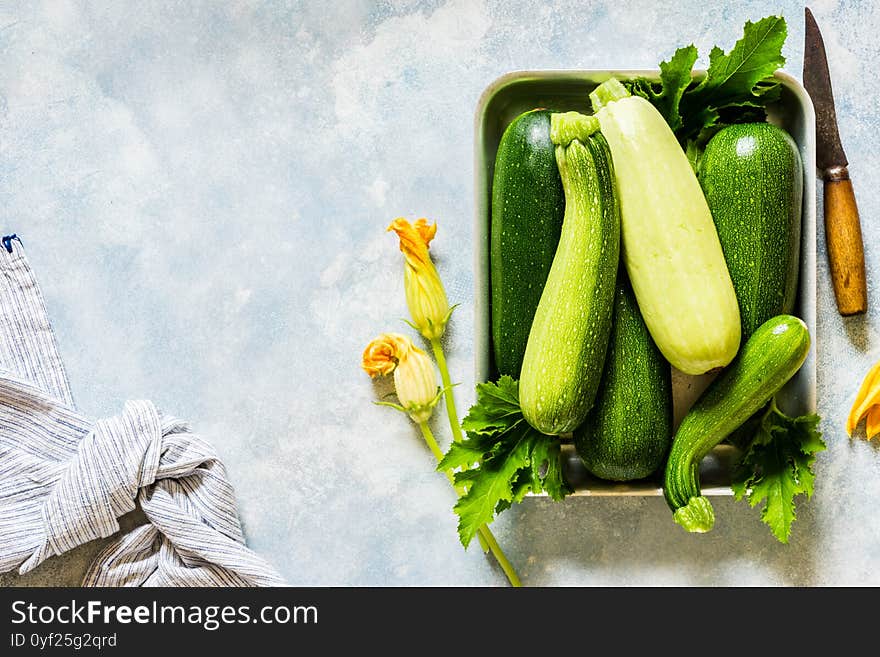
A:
(867, 404)
(415, 381)
(425, 295)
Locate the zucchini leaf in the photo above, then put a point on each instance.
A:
(675, 77)
(737, 87)
(734, 77)
(497, 407)
(776, 466)
(502, 459)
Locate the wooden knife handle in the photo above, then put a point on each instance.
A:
(843, 237)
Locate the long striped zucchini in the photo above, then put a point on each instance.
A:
(569, 334)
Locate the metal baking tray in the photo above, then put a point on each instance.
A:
(507, 97)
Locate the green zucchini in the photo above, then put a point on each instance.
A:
(670, 246)
(566, 347)
(752, 177)
(626, 436)
(770, 357)
(527, 210)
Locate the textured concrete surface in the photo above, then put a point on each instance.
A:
(203, 190)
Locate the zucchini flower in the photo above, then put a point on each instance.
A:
(867, 404)
(415, 381)
(425, 295)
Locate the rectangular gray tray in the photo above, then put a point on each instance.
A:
(516, 92)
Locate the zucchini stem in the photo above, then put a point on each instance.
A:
(428, 435)
(448, 396)
(565, 127)
(452, 414)
(487, 539)
(607, 92)
(486, 534)
(695, 516)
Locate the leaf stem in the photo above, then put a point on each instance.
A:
(428, 435)
(487, 539)
(448, 395)
(500, 557)
(452, 414)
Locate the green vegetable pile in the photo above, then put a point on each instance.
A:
(657, 229)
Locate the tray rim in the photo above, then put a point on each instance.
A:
(807, 275)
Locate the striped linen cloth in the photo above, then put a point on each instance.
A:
(65, 479)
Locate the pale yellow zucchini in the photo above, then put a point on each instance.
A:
(670, 246)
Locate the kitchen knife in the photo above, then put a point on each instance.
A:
(843, 233)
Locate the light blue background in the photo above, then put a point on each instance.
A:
(203, 189)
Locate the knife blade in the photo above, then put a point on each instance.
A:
(843, 233)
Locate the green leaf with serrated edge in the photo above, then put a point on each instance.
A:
(736, 78)
(524, 484)
(497, 407)
(810, 441)
(544, 462)
(547, 470)
(541, 458)
(502, 506)
(554, 481)
(466, 477)
(467, 452)
(755, 57)
(477, 507)
(776, 487)
(693, 153)
(496, 463)
(740, 486)
(808, 433)
(642, 87)
(675, 76)
(776, 467)
(734, 86)
(712, 118)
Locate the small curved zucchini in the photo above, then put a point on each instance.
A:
(770, 357)
(527, 210)
(569, 335)
(626, 436)
(752, 177)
